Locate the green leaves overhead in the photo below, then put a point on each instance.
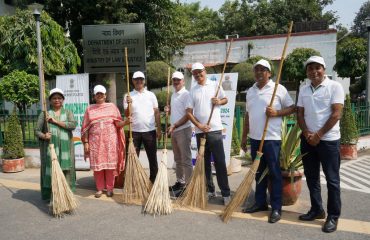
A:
(18, 45)
(169, 24)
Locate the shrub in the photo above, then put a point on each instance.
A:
(162, 98)
(348, 126)
(13, 140)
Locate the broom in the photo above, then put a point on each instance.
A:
(246, 186)
(136, 184)
(63, 199)
(159, 201)
(195, 192)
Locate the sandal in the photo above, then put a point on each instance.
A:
(98, 194)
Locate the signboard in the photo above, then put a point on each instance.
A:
(76, 92)
(229, 85)
(104, 47)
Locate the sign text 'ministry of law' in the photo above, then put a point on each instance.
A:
(104, 47)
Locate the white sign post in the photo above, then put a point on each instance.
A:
(76, 92)
(229, 85)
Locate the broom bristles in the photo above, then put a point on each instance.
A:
(159, 201)
(136, 185)
(242, 192)
(63, 199)
(195, 193)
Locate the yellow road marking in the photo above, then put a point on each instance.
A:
(289, 217)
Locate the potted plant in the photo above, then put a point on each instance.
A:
(291, 162)
(13, 151)
(348, 132)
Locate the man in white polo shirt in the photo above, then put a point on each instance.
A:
(202, 97)
(146, 125)
(257, 107)
(181, 132)
(320, 104)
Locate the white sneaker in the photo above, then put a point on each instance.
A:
(211, 195)
(226, 200)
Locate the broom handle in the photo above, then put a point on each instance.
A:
(276, 85)
(220, 82)
(43, 95)
(128, 91)
(167, 102)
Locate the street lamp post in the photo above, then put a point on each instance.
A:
(37, 8)
(367, 22)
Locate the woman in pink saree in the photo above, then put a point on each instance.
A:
(104, 142)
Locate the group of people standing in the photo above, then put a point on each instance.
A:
(319, 107)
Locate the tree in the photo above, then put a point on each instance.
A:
(351, 58)
(262, 17)
(165, 24)
(358, 86)
(293, 69)
(20, 88)
(202, 24)
(18, 46)
(245, 75)
(157, 74)
(359, 26)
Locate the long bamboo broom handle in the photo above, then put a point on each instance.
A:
(220, 82)
(43, 96)
(128, 91)
(167, 102)
(276, 85)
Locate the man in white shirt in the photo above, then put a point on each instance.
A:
(181, 132)
(202, 97)
(320, 104)
(146, 125)
(257, 107)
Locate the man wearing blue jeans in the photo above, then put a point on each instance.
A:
(320, 104)
(257, 107)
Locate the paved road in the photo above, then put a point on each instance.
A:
(354, 175)
(23, 215)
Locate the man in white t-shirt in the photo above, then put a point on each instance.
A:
(181, 132)
(320, 104)
(202, 97)
(146, 125)
(257, 107)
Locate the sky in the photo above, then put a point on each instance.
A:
(346, 9)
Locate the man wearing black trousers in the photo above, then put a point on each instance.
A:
(202, 97)
(320, 104)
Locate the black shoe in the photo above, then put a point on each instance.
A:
(330, 225)
(275, 216)
(178, 186)
(255, 208)
(312, 215)
(180, 192)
